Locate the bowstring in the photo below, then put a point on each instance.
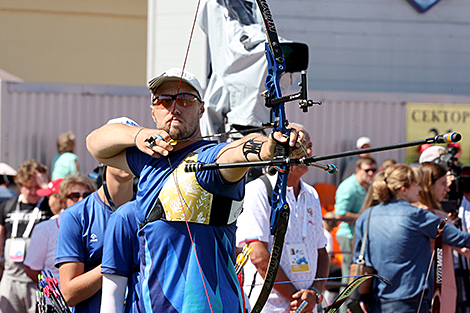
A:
(175, 179)
(173, 172)
(189, 44)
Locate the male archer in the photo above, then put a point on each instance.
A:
(186, 220)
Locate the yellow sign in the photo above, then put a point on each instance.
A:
(425, 120)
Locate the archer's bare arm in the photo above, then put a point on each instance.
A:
(77, 285)
(108, 143)
(236, 152)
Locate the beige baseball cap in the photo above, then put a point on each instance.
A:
(175, 74)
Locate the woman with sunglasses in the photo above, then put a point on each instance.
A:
(398, 242)
(74, 188)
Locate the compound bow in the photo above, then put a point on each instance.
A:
(280, 207)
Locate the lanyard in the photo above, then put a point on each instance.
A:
(32, 219)
(300, 203)
(305, 221)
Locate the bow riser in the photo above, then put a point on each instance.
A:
(280, 208)
(280, 205)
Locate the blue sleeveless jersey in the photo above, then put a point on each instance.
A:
(171, 280)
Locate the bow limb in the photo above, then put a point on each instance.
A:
(280, 208)
(344, 295)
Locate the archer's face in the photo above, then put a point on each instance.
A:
(180, 122)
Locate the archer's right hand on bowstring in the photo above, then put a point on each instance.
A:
(153, 142)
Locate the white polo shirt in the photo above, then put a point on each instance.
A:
(305, 228)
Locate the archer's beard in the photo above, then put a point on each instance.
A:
(178, 132)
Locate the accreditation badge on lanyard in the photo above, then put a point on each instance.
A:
(298, 258)
(17, 249)
(18, 245)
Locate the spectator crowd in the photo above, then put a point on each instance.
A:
(149, 237)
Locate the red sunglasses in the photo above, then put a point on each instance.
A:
(183, 99)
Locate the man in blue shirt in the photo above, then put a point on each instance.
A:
(186, 220)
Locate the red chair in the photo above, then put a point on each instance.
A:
(327, 193)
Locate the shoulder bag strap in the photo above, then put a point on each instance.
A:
(360, 259)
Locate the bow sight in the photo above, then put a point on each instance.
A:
(302, 96)
(296, 60)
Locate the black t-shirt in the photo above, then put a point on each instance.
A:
(8, 208)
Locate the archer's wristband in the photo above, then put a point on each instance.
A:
(252, 147)
(136, 134)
